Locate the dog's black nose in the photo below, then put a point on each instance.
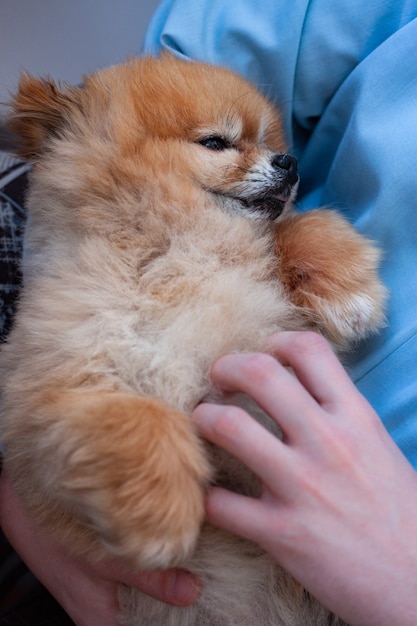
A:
(288, 163)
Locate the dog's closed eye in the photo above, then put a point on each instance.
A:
(216, 143)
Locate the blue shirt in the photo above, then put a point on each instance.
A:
(344, 73)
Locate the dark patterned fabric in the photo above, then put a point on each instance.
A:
(23, 600)
(13, 182)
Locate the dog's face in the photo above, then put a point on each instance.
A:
(159, 128)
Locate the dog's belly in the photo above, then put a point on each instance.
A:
(169, 351)
(241, 586)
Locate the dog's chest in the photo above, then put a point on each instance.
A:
(189, 312)
(158, 329)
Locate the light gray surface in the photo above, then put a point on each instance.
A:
(68, 38)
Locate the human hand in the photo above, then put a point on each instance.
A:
(86, 590)
(338, 508)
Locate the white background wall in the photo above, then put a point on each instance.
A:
(68, 38)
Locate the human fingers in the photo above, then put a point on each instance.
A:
(315, 365)
(238, 514)
(275, 389)
(234, 430)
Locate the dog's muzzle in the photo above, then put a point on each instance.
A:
(279, 189)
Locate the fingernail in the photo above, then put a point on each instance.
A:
(184, 587)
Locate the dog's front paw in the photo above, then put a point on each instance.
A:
(330, 272)
(136, 476)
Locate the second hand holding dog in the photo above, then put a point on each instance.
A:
(335, 470)
(86, 589)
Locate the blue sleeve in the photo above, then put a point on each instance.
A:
(344, 74)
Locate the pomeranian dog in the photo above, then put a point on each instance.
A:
(160, 236)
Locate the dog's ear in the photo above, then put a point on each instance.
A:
(40, 109)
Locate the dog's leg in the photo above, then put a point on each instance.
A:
(330, 271)
(129, 468)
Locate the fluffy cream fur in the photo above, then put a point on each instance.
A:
(160, 236)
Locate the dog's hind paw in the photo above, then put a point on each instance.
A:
(135, 475)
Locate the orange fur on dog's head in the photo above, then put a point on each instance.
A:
(159, 120)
